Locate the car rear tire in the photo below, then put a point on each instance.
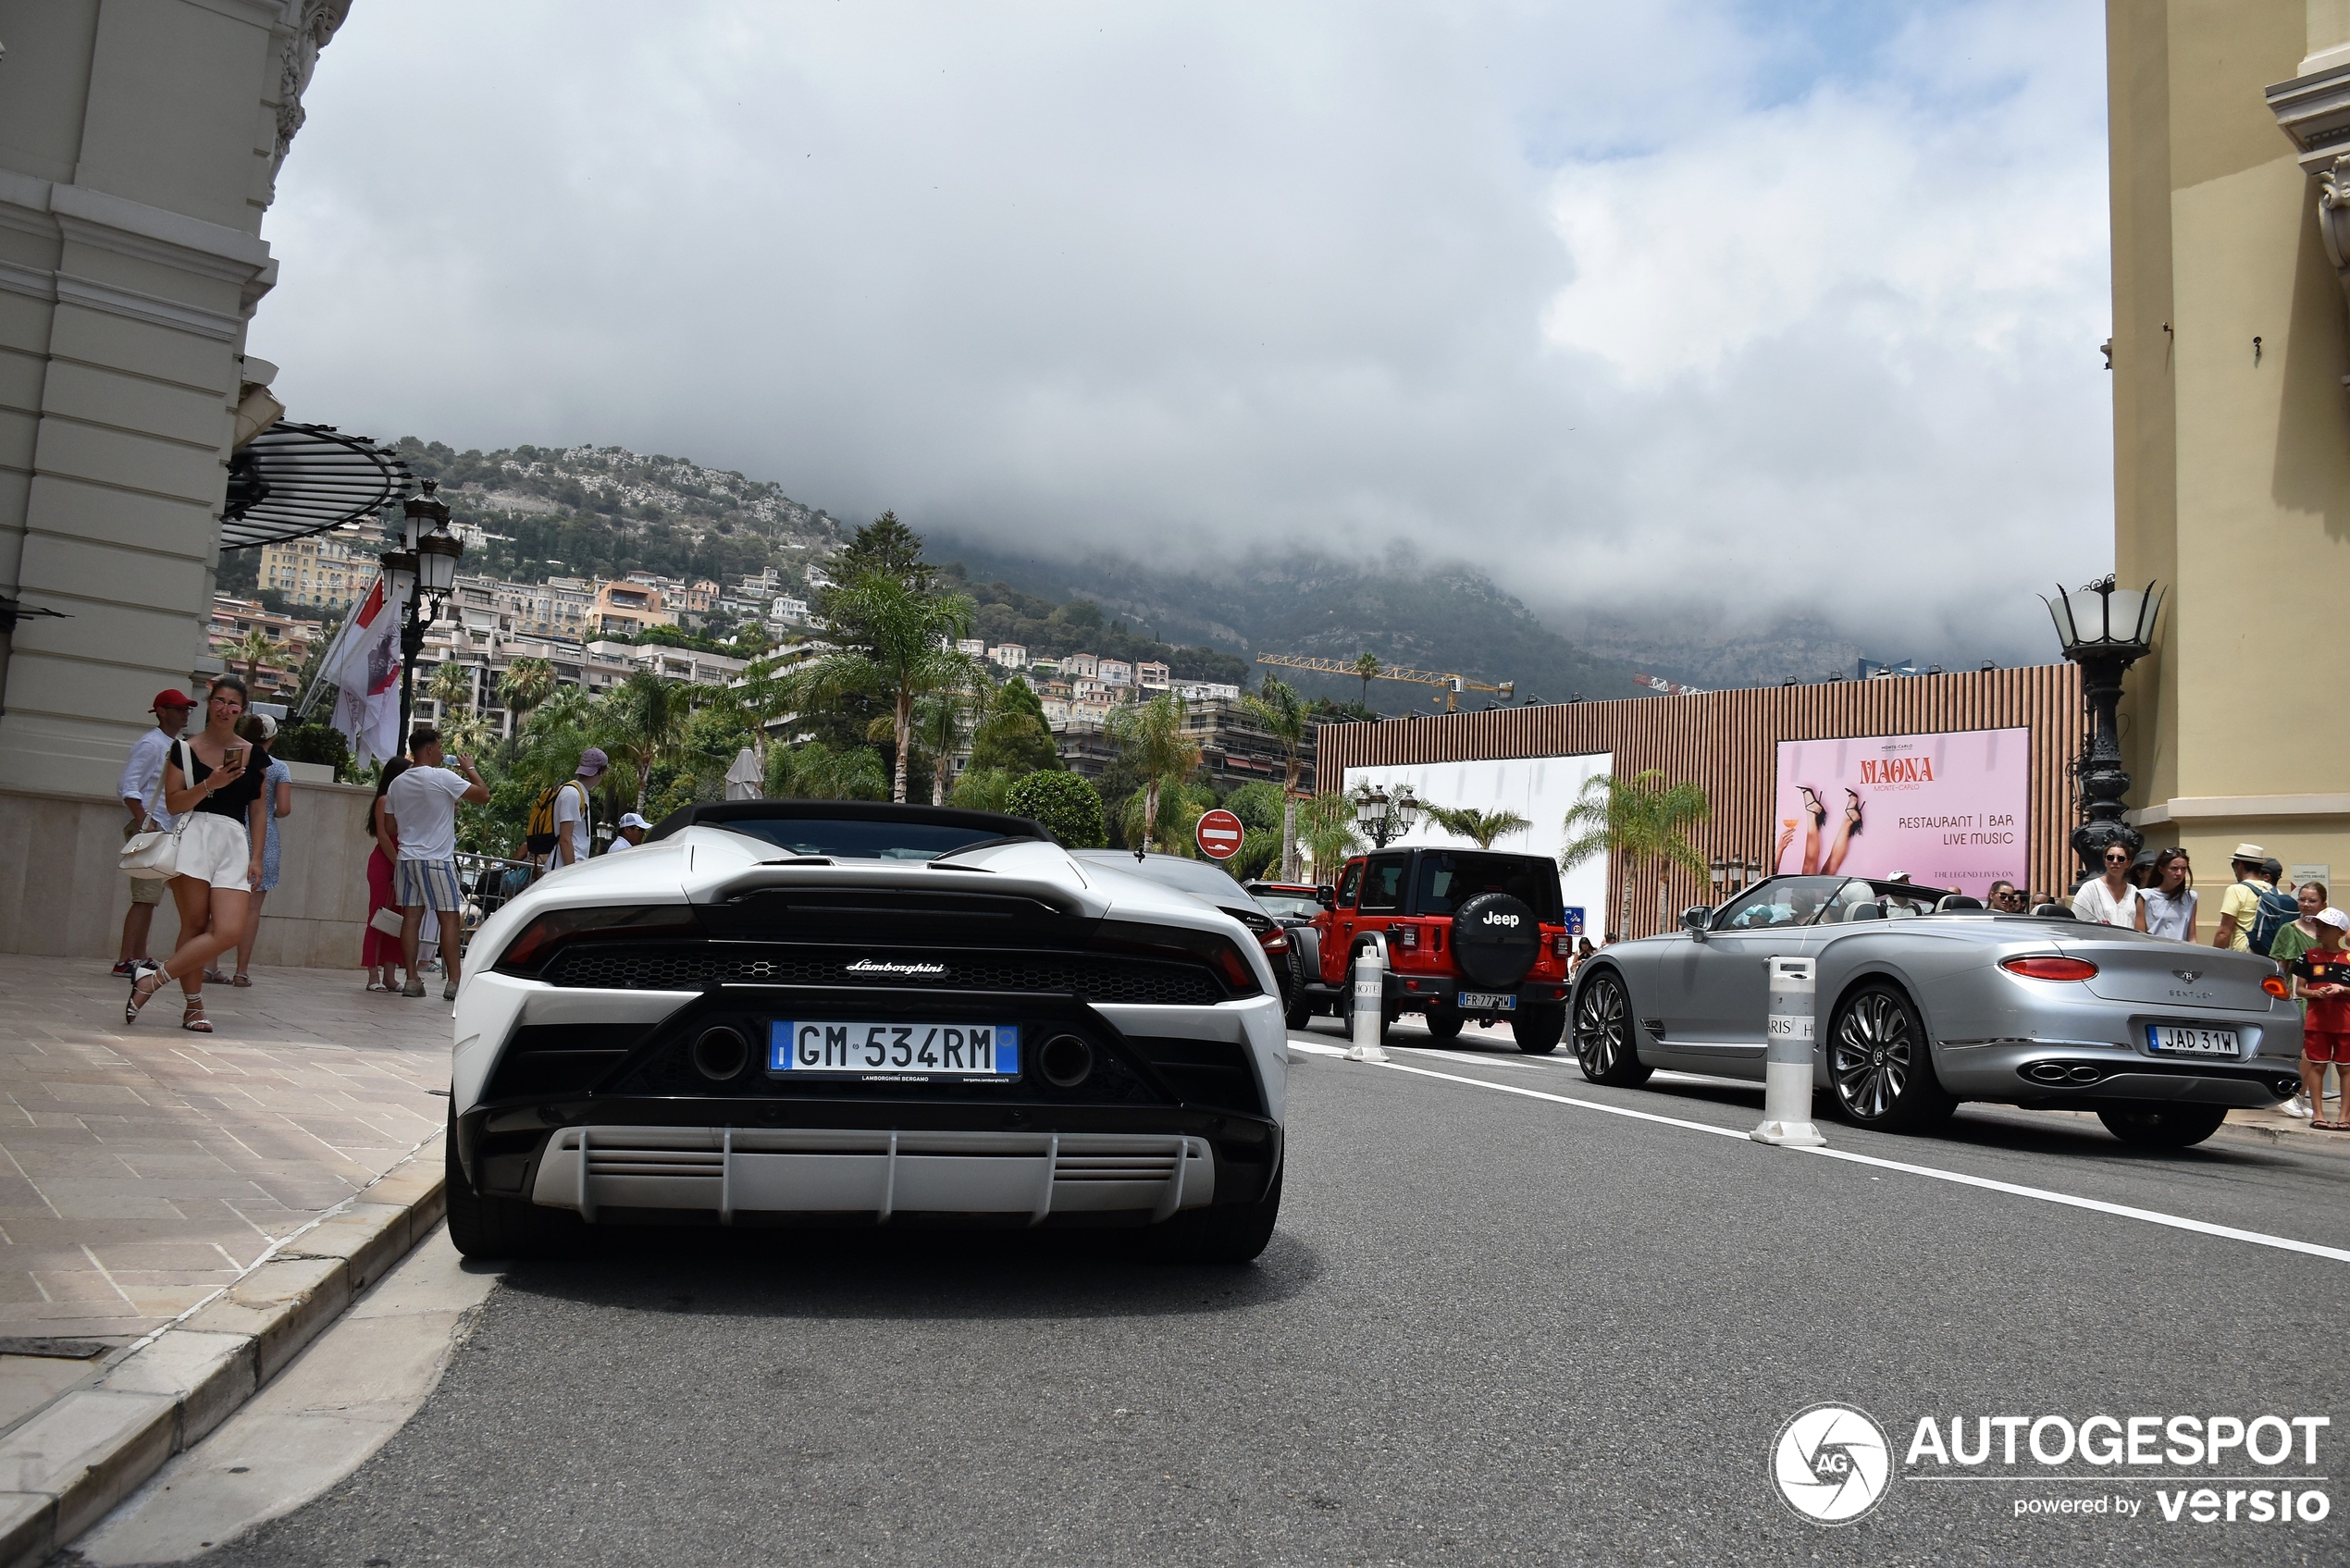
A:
(487, 1227)
(1444, 1023)
(1297, 1009)
(1880, 1064)
(1222, 1234)
(2163, 1126)
(1604, 1046)
(1538, 1029)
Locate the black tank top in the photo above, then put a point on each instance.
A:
(231, 800)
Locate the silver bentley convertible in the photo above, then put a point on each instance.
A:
(1926, 999)
(806, 1012)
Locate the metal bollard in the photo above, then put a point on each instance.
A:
(1787, 1085)
(1370, 1001)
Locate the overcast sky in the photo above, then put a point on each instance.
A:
(1707, 306)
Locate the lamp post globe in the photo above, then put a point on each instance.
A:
(1405, 810)
(2105, 629)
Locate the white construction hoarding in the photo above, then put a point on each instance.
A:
(1540, 789)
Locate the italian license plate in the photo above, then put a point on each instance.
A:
(2180, 1040)
(910, 1051)
(1488, 1002)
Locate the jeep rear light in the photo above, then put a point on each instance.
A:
(1404, 936)
(1562, 945)
(2049, 965)
(2274, 986)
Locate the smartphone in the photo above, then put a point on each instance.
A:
(233, 757)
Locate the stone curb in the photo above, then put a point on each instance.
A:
(65, 1468)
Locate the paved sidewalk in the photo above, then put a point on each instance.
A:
(143, 1167)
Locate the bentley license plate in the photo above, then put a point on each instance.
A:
(1487, 1002)
(2179, 1039)
(896, 1050)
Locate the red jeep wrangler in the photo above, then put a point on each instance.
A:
(1468, 934)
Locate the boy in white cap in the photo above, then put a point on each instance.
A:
(573, 813)
(630, 833)
(2322, 975)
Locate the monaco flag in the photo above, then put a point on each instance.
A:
(364, 666)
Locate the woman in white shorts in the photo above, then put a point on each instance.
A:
(219, 849)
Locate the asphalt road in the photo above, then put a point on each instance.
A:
(1492, 1329)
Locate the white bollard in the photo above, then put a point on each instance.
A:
(1370, 1001)
(1787, 1084)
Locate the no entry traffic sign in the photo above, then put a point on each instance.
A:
(1220, 834)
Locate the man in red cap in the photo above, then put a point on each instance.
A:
(141, 791)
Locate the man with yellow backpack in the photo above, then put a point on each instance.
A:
(561, 826)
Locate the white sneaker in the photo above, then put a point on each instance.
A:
(2297, 1107)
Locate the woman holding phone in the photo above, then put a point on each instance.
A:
(220, 849)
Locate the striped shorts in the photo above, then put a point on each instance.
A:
(431, 884)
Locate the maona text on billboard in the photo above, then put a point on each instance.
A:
(1949, 809)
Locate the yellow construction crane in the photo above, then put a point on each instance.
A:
(1452, 683)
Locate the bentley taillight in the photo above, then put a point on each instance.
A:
(2049, 965)
(2275, 986)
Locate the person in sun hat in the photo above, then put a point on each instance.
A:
(2240, 906)
(2321, 975)
(572, 810)
(630, 833)
(141, 788)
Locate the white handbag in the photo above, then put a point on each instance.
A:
(154, 855)
(387, 920)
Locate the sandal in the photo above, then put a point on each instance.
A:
(192, 1019)
(141, 997)
(375, 984)
(241, 977)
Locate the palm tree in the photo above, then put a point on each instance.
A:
(256, 647)
(1484, 827)
(904, 651)
(526, 684)
(641, 723)
(1276, 706)
(1366, 669)
(942, 727)
(1326, 822)
(1179, 808)
(1152, 736)
(452, 686)
(815, 771)
(1641, 819)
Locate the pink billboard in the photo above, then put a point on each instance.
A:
(1947, 808)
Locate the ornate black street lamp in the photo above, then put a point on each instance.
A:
(1382, 818)
(2105, 630)
(426, 563)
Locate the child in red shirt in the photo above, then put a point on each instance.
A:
(2323, 974)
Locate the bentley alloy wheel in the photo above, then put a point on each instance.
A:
(1879, 1063)
(1603, 1045)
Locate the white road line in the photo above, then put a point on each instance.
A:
(2042, 1194)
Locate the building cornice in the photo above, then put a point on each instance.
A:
(2239, 808)
(2313, 111)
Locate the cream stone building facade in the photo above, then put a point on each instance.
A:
(139, 147)
(2229, 122)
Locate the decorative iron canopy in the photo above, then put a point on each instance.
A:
(293, 480)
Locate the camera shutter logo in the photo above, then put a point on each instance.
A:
(1832, 1463)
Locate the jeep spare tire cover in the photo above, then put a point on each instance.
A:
(1495, 940)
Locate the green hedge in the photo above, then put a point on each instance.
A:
(1066, 803)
